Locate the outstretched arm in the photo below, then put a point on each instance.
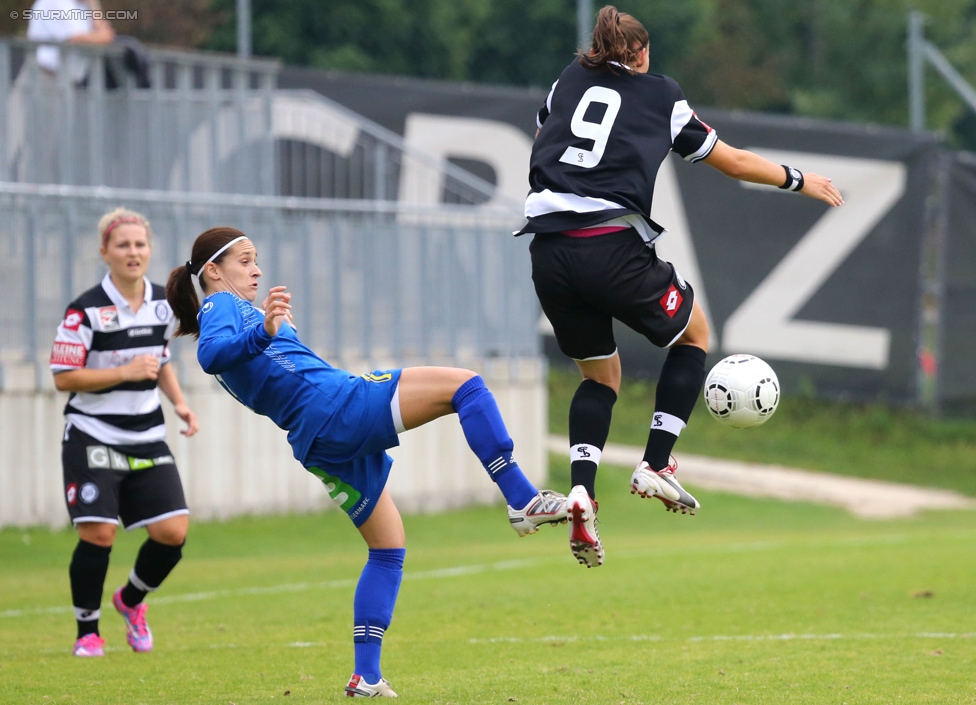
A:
(744, 165)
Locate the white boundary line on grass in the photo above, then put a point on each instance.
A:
(724, 637)
(633, 638)
(436, 574)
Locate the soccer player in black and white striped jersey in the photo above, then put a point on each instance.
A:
(604, 130)
(111, 354)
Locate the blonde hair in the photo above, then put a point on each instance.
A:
(614, 38)
(108, 222)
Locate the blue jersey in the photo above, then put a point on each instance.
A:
(284, 380)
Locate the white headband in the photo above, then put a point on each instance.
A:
(219, 252)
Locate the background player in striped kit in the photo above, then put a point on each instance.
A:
(111, 354)
(339, 425)
(604, 130)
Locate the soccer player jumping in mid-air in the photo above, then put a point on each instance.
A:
(604, 130)
(339, 424)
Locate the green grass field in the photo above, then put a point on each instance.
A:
(749, 602)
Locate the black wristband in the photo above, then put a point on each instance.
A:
(794, 179)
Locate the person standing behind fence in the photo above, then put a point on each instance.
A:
(603, 132)
(73, 21)
(112, 354)
(339, 424)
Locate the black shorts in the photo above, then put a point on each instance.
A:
(584, 283)
(103, 483)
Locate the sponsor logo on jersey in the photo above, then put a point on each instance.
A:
(162, 311)
(108, 316)
(373, 377)
(71, 494)
(68, 354)
(88, 492)
(671, 301)
(207, 307)
(73, 319)
(139, 332)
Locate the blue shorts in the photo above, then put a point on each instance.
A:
(350, 457)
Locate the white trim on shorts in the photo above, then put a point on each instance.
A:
(675, 338)
(395, 410)
(161, 517)
(602, 357)
(94, 520)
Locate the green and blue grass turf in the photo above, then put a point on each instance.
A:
(751, 601)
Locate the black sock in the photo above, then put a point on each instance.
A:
(589, 425)
(89, 565)
(154, 562)
(678, 389)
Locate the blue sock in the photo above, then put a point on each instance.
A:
(372, 608)
(488, 438)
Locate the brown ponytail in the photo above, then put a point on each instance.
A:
(617, 37)
(180, 292)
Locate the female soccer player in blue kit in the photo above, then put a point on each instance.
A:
(339, 424)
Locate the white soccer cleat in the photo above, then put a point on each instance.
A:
(547, 507)
(584, 539)
(663, 485)
(358, 688)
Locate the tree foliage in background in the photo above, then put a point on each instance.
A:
(836, 59)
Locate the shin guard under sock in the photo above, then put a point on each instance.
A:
(154, 562)
(487, 436)
(89, 565)
(589, 425)
(678, 389)
(376, 595)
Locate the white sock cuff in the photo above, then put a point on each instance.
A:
(138, 582)
(584, 451)
(83, 615)
(667, 422)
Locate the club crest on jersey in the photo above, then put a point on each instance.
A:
(73, 319)
(671, 301)
(162, 311)
(109, 318)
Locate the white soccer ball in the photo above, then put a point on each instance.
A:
(741, 391)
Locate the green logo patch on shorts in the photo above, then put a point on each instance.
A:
(341, 493)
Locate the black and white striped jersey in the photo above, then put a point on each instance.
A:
(603, 135)
(100, 330)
